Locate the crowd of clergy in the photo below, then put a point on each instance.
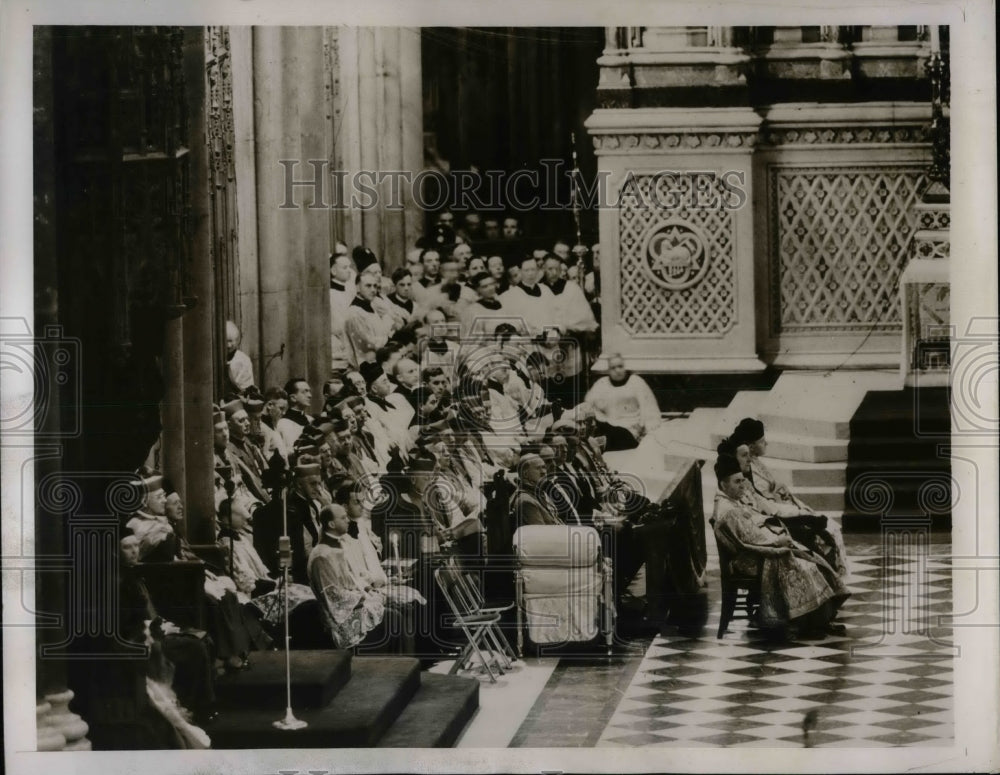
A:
(460, 407)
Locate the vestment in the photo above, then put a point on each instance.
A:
(365, 331)
(630, 405)
(794, 581)
(349, 613)
(528, 509)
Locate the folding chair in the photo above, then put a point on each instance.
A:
(476, 625)
(476, 602)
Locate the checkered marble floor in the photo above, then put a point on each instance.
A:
(887, 682)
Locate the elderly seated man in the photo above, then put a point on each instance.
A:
(798, 587)
(815, 530)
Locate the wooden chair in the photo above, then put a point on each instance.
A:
(736, 587)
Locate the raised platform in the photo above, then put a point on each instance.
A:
(384, 701)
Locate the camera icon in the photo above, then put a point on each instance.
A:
(45, 373)
(974, 367)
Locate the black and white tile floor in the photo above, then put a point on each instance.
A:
(887, 682)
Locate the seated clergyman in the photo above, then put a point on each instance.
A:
(815, 530)
(798, 588)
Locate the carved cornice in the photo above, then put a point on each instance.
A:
(846, 135)
(694, 140)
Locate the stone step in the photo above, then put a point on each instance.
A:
(775, 422)
(357, 717)
(822, 499)
(317, 676)
(808, 449)
(437, 714)
(798, 474)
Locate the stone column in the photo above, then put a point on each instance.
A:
(292, 228)
(198, 366)
(379, 103)
(241, 53)
(172, 408)
(676, 232)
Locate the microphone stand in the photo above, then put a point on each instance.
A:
(289, 722)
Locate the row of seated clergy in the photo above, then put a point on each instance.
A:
(353, 591)
(805, 525)
(158, 531)
(799, 588)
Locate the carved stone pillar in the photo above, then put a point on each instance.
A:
(293, 235)
(677, 237)
(377, 121)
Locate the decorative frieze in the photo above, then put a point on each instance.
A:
(881, 135)
(675, 140)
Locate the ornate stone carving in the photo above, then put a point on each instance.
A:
(838, 246)
(847, 135)
(675, 255)
(612, 142)
(678, 266)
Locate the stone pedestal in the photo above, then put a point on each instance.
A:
(925, 297)
(677, 237)
(836, 185)
(671, 66)
(790, 57)
(881, 54)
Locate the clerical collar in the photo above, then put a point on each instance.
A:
(437, 346)
(558, 286)
(379, 401)
(297, 416)
(331, 540)
(534, 290)
(619, 382)
(358, 301)
(335, 286)
(490, 303)
(427, 282)
(406, 304)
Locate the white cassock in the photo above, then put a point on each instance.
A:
(481, 321)
(435, 296)
(631, 405)
(536, 312)
(573, 310)
(366, 330)
(341, 297)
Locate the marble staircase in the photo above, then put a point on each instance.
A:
(807, 416)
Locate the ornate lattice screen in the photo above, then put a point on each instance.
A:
(677, 263)
(838, 246)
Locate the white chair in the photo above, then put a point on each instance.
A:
(563, 585)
